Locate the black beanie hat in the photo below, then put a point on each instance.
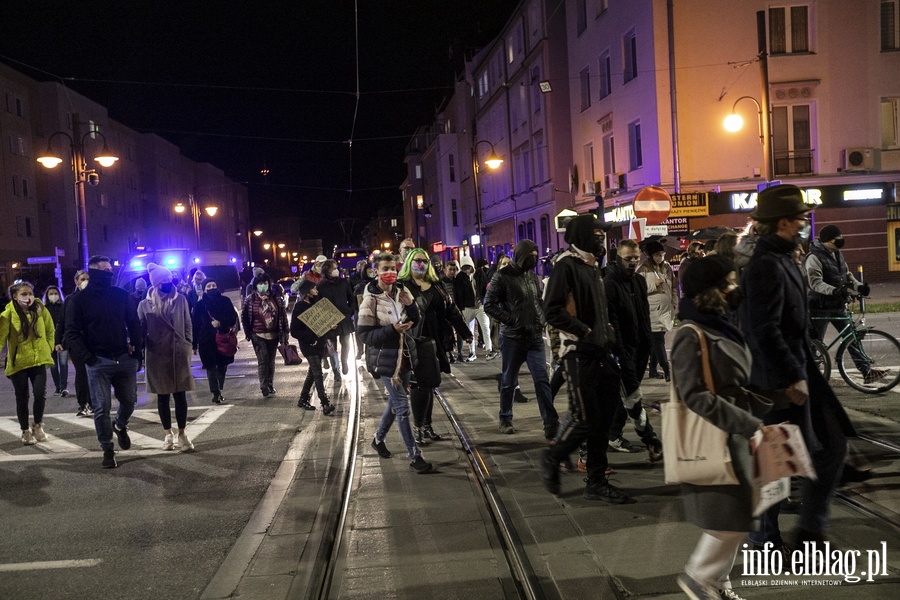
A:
(305, 287)
(652, 247)
(580, 230)
(703, 273)
(828, 233)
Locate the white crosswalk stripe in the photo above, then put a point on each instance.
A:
(141, 445)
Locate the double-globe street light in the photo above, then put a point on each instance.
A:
(493, 162)
(274, 248)
(50, 159)
(194, 206)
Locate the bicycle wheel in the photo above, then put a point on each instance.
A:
(821, 358)
(871, 362)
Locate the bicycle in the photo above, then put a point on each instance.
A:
(868, 359)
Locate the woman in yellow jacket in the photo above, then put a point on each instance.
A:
(27, 327)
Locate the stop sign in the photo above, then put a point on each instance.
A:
(652, 203)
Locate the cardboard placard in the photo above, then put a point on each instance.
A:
(321, 317)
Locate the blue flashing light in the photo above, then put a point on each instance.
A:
(196, 261)
(171, 261)
(233, 260)
(137, 264)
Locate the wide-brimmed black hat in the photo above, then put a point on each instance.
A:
(779, 202)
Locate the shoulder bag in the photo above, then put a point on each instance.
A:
(696, 451)
(226, 342)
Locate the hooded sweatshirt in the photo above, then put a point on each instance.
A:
(514, 296)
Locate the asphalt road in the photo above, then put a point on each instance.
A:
(160, 524)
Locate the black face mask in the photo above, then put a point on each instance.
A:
(838, 243)
(733, 298)
(213, 293)
(529, 263)
(101, 278)
(166, 288)
(598, 247)
(628, 267)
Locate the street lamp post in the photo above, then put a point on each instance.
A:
(493, 162)
(734, 122)
(195, 212)
(82, 174)
(275, 248)
(257, 233)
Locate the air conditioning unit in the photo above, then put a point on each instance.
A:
(615, 181)
(597, 189)
(862, 159)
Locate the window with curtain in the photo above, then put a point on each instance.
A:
(890, 30)
(792, 138)
(789, 29)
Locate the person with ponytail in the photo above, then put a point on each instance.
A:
(168, 334)
(26, 327)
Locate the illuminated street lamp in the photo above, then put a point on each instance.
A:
(274, 247)
(257, 233)
(194, 206)
(493, 162)
(734, 122)
(106, 158)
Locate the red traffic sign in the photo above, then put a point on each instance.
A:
(652, 203)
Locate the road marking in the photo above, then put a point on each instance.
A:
(143, 445)
(52, 564)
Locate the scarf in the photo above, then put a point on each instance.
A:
(688, 311)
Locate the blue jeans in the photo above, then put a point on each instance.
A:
(121, 374)
(398, 406)
(60, 369)
(514, 352)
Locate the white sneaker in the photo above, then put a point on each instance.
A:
(28, 438)
(38, 431)
(184, 443)
(169, 442)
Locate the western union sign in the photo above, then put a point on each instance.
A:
(690, 205)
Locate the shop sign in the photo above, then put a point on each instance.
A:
(833, 196)
(619, 214)
(690, 205)
(677, 225)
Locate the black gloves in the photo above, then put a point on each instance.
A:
(839, 292)
(864, 289)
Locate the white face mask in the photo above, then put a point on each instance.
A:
(335, 273)
(83, 284)
(53, 298)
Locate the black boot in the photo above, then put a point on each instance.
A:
(303, 403)
(429, 433)
(327, 407)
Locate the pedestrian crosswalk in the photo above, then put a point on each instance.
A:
(66, 437)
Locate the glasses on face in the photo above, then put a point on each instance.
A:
(420, 261)
(802, 219)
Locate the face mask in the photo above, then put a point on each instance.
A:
(83, 284)
(598, 246)
(166, 288)
(529, 263)
(262, 288)
(388, 278)
(213, 292)
(803, 232)
(733, 298)
(419, 268)
(838, 243)
(24, 303)
(371, 274)
(53, 298)
(629, 266)
(335, 274)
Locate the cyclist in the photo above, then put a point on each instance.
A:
(830, 282)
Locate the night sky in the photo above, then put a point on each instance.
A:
(248, 85)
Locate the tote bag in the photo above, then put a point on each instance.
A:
(695, 450)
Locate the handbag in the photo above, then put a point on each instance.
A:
(696, 451)
(290, 355)
(226, 343)
(427, 371)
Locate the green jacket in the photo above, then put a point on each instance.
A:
(31, 352)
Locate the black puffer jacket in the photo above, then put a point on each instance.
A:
(514, 297)
(626, 295)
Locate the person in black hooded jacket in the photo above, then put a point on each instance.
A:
(312, 347)
(626, 294)
(514, 299)
(575, 304)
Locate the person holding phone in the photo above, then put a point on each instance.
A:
(387, 313)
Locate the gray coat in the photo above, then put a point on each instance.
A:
(168, 335)
(719, 507)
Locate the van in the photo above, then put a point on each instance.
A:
(220, 266)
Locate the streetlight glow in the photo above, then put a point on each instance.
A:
(733, 122)
(493, 161)
(179, 208)
(211, 210)
(106, 158)
(49, 160)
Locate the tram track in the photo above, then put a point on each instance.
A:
(856, 500)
